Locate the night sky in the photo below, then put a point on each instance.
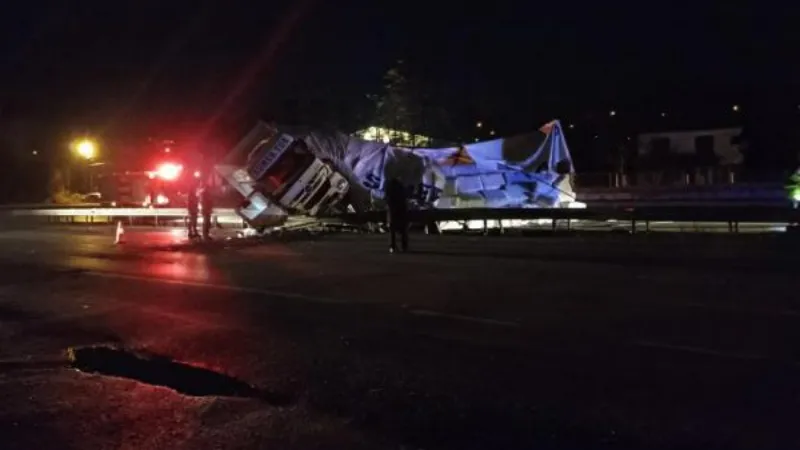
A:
(125, 69)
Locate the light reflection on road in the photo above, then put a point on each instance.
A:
(166, 253)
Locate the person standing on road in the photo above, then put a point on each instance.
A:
(793, 191)
(793, 188)
(192, 209)
(397, 214)
(207, 207)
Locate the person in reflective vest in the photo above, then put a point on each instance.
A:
(793, 188)
(397, 214)
(192, 209)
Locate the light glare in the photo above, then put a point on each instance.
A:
(169, 171)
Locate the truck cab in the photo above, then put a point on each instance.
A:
(277, 174)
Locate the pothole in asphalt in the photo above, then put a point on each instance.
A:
(162, 371)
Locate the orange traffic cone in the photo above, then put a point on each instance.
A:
(120, 232)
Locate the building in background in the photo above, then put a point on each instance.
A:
(712, 147)
(396, 137)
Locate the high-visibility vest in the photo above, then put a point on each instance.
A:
(793, 185)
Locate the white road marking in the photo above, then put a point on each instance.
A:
(483, 320)
(700, 351)
(221, 287)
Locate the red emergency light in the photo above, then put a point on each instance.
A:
(169, 171)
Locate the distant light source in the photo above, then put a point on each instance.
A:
(86, 149)
(197, 174)
(735, 108)
(491, 133)
(612, 113)
(663, 114)
(169, 171)
(479, 124)
(161, 199)
(34, 153)
(167, 149)
(571, 126)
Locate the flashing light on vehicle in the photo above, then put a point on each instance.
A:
(161, 199)
(197, 174)
(169, 171)
(796, 195)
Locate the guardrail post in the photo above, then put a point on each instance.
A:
(485, 227)
(500, 226)
(553, 223)
(569, 224)
(633, 226)
(647, 226)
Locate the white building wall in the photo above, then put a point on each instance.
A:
(726, 143)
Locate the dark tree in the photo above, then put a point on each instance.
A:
(399, 107)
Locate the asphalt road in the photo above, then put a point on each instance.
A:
(585, 342)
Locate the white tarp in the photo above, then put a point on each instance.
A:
(532, 170)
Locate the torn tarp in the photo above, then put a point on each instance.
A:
(531, 170)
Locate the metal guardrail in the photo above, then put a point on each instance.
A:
(677, 213)
(99, 215)
(28, 206)
(635, 216)
(113, 212)
(733, 215)
(773, 194)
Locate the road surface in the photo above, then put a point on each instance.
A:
(602, 341)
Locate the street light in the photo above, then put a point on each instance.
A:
(86, 149)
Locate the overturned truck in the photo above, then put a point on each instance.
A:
(282, 171)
